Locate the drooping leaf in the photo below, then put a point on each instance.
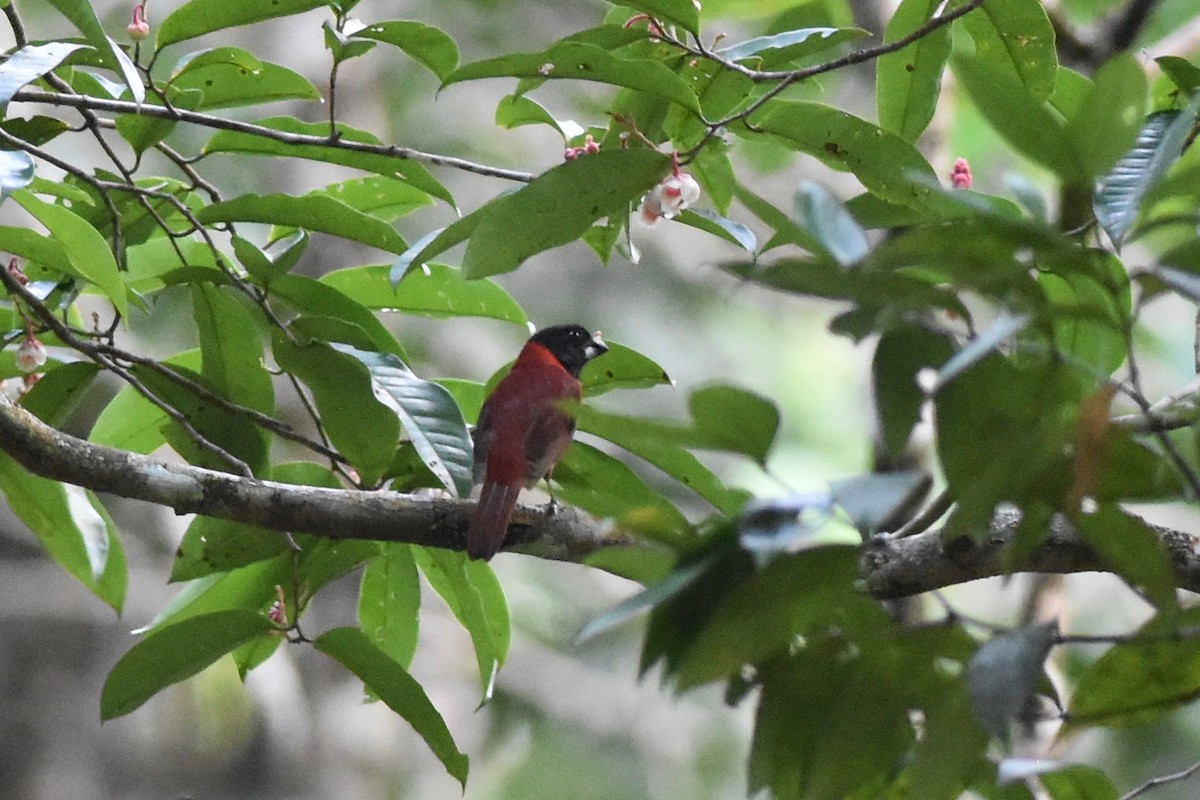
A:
(430, 417)
(387, 679)
(199, 17)
(54, 398)
(909, 80)
(1119, 194)
(231, 348)
(173, 654)
(1017, 37)
(727, 229)
(30, 63)
(389, 602)
(310, 212)
(839, 234)
(427, 45)
(84, 18)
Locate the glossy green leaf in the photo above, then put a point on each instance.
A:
(16, 171)
(71, 525)
(838, 233)
(231, 348)
(885, 163)
(403, 169)
(438, 291)
(908, 81)
(778, 49)
(384, 677)
(173, 654)
(474, 596)
(389, 602)
(1119, 194)
(1132, 550)
(321, 299)
(1017, 37)
(312, 212)
(84, 18)
(558, 207)
(85, 247)
(430, 417)
(425, 44)
(199, 17)
(362, 428)
(28, 64)
(582, 61)
(228, 84)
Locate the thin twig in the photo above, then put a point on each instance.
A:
(1182, 775)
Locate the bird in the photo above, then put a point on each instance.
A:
(525, 427)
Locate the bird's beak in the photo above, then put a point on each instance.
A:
(596, 347)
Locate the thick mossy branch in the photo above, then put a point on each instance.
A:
(890, 568)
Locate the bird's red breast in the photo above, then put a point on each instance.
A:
(525, 427)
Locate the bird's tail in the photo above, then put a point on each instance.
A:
(490, 523)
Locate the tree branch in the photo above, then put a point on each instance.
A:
(891, 568)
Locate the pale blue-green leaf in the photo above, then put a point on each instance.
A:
(16, 171)
(1004, 327)
(28, 64)
(820, 213)
(714, 223)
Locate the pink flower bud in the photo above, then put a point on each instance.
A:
(31, 355)
(960, 177)
(589, 146)
(14, 269)
(139, 29)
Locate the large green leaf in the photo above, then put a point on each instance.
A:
(608, 489)
(1017, 37)
(385, 678)
(130, 421)
(389, 602)
(1119, 194)
(424, 43)
(474, 596)
(364, 429)
(582, 61)
(321, 299)
(621, 368)
(312, 212)
(28, 64)
(1112, 114)
(199, 17)
(557, 208)
(84, 18)
(231, 348)
(430, 417)
(786, 47)
(173, 654)
(1132, 550)
(437, 291)
(831, 225)
(404, 169)
(885, 163)
(86, 249)
(229, 81)
(72, 526)
(909, 81)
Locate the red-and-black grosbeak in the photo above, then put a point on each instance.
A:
(525, 426)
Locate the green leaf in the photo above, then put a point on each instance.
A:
(365, 430)
(582, 61)
(606, 488)
(229, 84)
(425, 44)
(320, 299)
(36, 130)
(173, 654)
(84, 18)
(1132, 550)
(727, 229)
(311, 212)
(231, 348)
(16, 171)
(557, 208)
(621, 368)
(671, 586)
(143, 132)
(789, 46)
(403, 169)
(383, 198)
(429, 415)
(85, 247)
(900, 355)
(438, 291)
(229, 56)
(54, 398)
(28, 64)
(1016, 36)
(1078, 782)
(515, 110)
(199, 17)
(679, 12)
(1004, 674)
(885, 163)
(474, 596)
(394, 686)
(1119, 194)
(909, 81)
(130, 421)
(838, 233)
(389, 602)
(216, 545)
(1112, 114)
(1089, 314)
(71, 525)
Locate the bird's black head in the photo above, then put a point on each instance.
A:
(572, 345)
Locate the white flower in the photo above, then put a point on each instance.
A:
(669, 198)
(31, 355)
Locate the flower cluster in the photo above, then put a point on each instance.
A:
(960, 176)
(589, 146)
(666, 200)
